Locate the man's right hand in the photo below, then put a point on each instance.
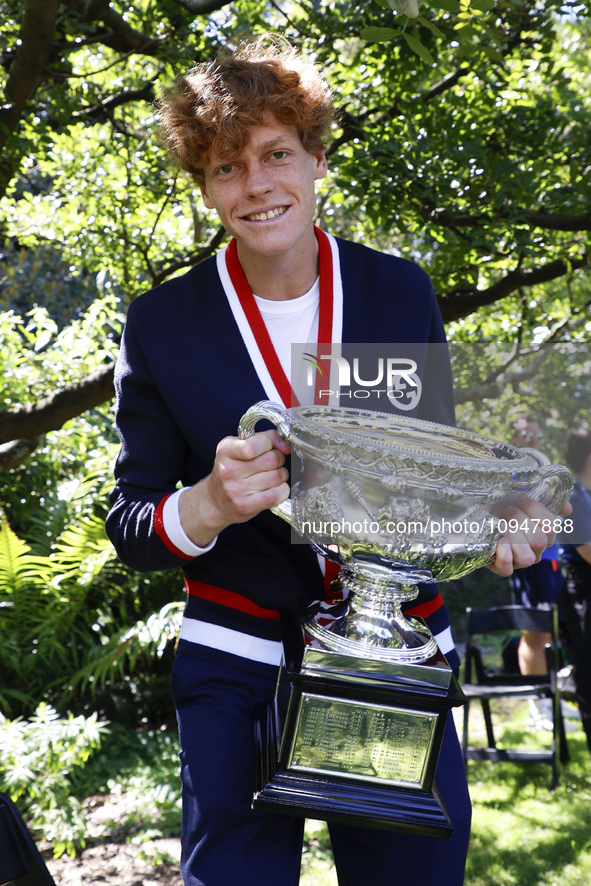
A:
(248, 476)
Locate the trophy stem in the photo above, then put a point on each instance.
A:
(373, 624)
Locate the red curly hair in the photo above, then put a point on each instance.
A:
(214, 103)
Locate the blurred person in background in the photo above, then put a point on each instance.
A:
(537, 585)
(575, 548)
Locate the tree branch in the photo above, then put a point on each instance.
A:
(193, 258)
(32, 53)
(104, 108)
(556, 221)
(492, 387)
(54, 411)
(456, 305)
(123, 37)
(553, 221)
(575, 321)
(445, 84)
(352, 128)
(291, 23)
(202, 7)
(65, 48)
(15, 452)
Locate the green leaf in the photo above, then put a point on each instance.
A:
(493, 53)
(405, 7)
(448, 5)
(466, 31)
(378, 35)
(466, 49)
(419, 48)
(483, 5)
(433, 28)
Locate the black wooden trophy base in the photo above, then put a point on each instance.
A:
(360, 744)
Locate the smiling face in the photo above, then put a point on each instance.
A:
(526, 432)
(265, 195)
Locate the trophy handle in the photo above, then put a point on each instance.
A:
(279, 416)
(547, 473)
(561, 494)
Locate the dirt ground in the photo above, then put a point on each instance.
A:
(113, 856)
(119, 855)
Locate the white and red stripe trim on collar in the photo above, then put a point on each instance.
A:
(252, 327)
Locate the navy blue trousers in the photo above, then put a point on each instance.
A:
(226, 843)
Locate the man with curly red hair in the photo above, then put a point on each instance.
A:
(197, 351)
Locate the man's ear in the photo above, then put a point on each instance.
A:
(206, 198)
(321, 165)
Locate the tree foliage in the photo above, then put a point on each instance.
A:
(464, 142)
(497, 383)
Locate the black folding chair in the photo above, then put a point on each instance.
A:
(20, 860)
(484, 684)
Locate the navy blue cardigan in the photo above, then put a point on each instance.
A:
(184, 379)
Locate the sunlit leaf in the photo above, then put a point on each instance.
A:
(483, 5)
(379, 35)
(432, 27)
(448, 5)
(405, 7)
(418, 47)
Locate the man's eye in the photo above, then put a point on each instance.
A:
(226, 169)
(279, 155)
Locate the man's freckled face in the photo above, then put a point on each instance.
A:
(265, 196)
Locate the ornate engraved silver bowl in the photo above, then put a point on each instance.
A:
(395, 501)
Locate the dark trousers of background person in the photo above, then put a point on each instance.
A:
(576, 612)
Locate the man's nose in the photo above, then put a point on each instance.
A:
(258, 179)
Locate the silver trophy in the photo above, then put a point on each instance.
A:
(395, 501)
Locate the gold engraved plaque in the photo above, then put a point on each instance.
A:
(366, 741)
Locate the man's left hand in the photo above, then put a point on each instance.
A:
(532, 529)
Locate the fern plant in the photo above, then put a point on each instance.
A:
(146, 638)
(26, 592)
(72, 616)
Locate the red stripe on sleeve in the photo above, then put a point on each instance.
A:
(423, 610)
(161, 532)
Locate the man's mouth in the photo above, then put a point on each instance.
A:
(263, 216)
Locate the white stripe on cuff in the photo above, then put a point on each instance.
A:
(171, 521)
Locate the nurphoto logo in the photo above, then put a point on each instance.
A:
(394, 377)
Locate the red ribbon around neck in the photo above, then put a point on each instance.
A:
(257, 324)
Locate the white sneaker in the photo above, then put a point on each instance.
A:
(569, 711)
(540, 716)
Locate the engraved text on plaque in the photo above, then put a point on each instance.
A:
(369, 741)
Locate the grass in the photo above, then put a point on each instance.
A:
(523, 834)
(317, 865)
